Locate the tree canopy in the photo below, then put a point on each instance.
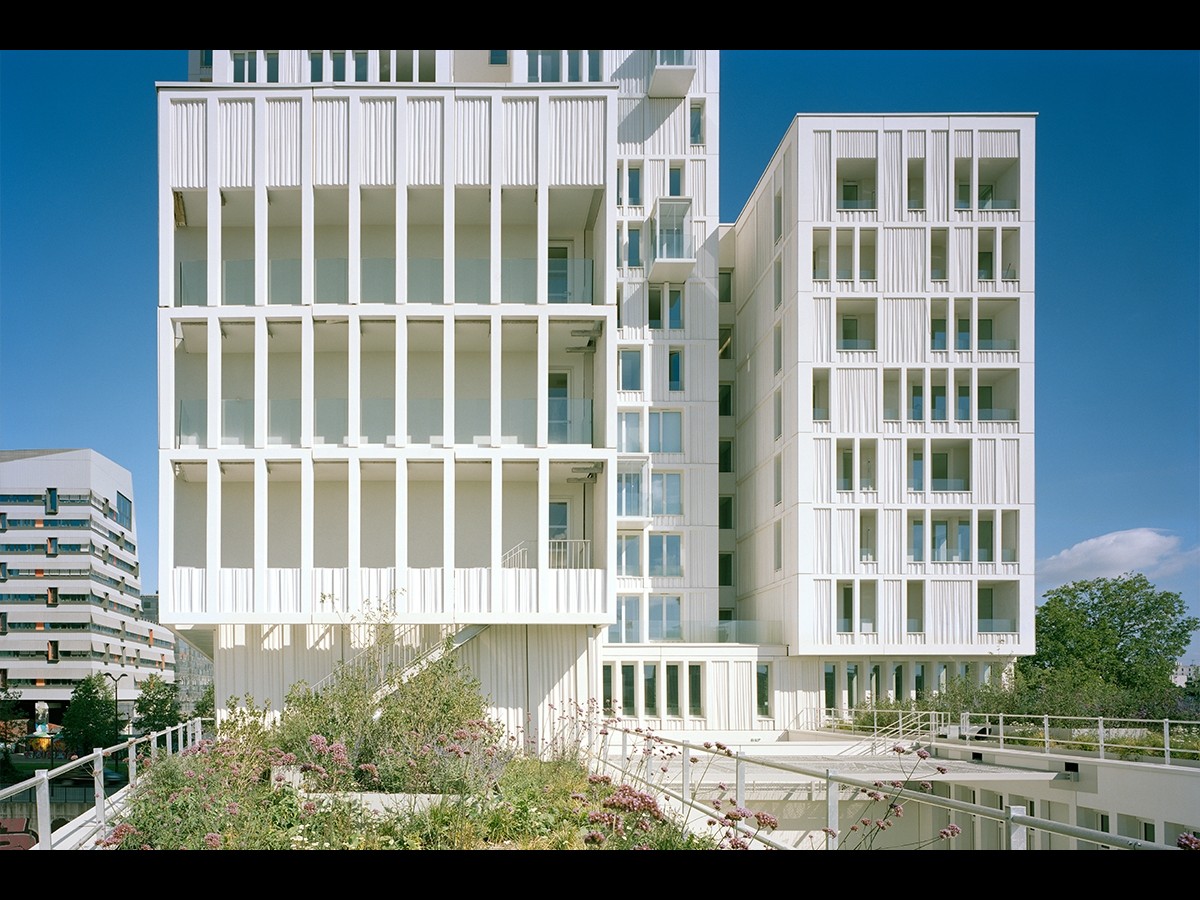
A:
(1112, 639)
(157, 707)
(90, 720)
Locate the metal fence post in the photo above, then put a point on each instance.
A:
(98, 783)
(1046, 732)
(831, 810)
(132, 763)
(685, 788)
(1016, 836)
(1167, 741)
(42, 795)
(740, 773)
(1100, 734)
(1001, 731)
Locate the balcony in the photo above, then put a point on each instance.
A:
(996, 414)
(672, 254)
(569, 421)
(672, 73)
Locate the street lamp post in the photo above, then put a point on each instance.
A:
(116, 709)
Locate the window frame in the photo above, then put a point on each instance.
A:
(667, 546)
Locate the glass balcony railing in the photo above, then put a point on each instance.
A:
(845, 484)
(845, 273)
(569, 421)
(865, 203)
(986, 273)
(948, 555)
(284, 281)
(914, 626)
(998, 204)
(1008, 554)
(569, 281)
(866, 273)
(916, 412)
(950, 484)
(938, 273)
(424, 419)
(938, 341)
(843, 625)
(821, 273)
(916, 554)
(856, 343)
(997, 344)
(674, 58)
(820, 413)
(983, 554)
(672, 243)
(866, 484)
(239, 282)
(997, 414)
(472, 280)
(426, 283)
(472, 420)
(330, 417)
(992, 626)
(378, 419)
(283, 421)
(891, 414)
(332, 280)
(518, 420)
(191, 423)
(378, 280)
(518, 280)
(237, 422)
(191, 282)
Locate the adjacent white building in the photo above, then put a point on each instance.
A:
(458, 334)
(69, 582)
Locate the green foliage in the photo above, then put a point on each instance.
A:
(1108, 647)
(90, 720)
(206, 706)
(158, 706)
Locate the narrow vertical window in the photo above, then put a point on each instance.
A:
(360, 65)
(316, 65)
(696, 120)
(763, 688)
(635, 247)
(672, 678)
(650, 692)
(675, 370)
(497, 57)
(695, 687)
(635, 185)
(272, 68)
(675, 181)
(778, 208)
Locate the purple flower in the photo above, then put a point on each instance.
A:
(594, 837)
(898, 748)
(922, 754)
(1188, 841)
(950, 831)
(832, 832)
(942, 770)
(766, 820)
(212, 841)
(233, 809)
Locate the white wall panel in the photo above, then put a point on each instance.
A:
(331, 140)
(237, 143)
(904, 324)
(822, 473)
(822, 333)
(890, 613)
(999, 144)
(855, 408)
(283, 143)
(189, 144)
(903, 259)
(937, 175)
(425, 140)
(822, 186)
(845, 541)
(891, 470)
(520, 142)
(962, 259)
(473, 135)
(577, 140)
(983, 479)
(890, 547)
(950, 613)
(916, 144)
(892, 201)
(1008, 468)
(631, 69)
(667, 127)
(962, 144)
(822, 552)
(822, 611)
(857, 144)
(378, 162)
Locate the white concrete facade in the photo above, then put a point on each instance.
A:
(458, 332)
(70, 603)
(884, 294)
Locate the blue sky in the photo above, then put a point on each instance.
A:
(1118, 280)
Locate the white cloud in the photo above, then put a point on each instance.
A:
(1154, 553)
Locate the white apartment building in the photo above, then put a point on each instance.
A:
(69, 583)
(457, 332)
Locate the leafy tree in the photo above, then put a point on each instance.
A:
(1118, 638)
(158, 706)
(10, 711)
(90, 720)
(206, 706)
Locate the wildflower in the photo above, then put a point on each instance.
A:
(318, 743)
(766, 820)
(309, 808)
(708, 745)
(594, 837)
(926, 786)
(942, 770)
(898, 810)
(922, 754)
(950, 831)
(1188, 841)
(832, 832)
(898, 748)
(233, 809)
(722, 786)
(694, 759)
(212, 841)
(865, 822)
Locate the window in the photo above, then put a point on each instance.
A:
(360, 65)
(629, 432)
(674, 369)
(575, 65)
(628, 627)
(665, 621)
(666, 558)
(339, 65)
(124, 511)
(849, 195)
(778, 554)
(725, 343)
(594, 65)
(666, 432)
(695, 680)
(725, 286)
(696, 120)
(725, 569)
(675, 181)
(631, 370)
(962, 336)
(51, 501)
(725, 399)
(778, 348)
(672, 673)
(52, 546)
(635, 246)
(316, 65)
(778, 478)
(635, 186)
(778, 217)
(628, 686)
(666, 494)
(607, 689)
(725, 511)
(778, 414)
(629, 493)
(725, 456)
(778, 284)
(962, 410)
(52, 596)
(52, 651)
(3, 623)
(650, 688)
(629, 554)
(763, 688)
(545, 66)
(937, 336)
(245, 67)
(497, 57)
(273, 68)
(675, 308)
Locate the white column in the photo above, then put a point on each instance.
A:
(448, 364)
(213, 401)
(495, 167)
(213, 198)
(401, 197)
(401, 370)
(543, 530)
(168, 405)
(401, 534)
(542, 242)
(543, 367)
(354, 380)
(306, 381)
(261, 348)
(354, 190)
(166, 536)
(261, 205)
(496, 374)
(260, 599)
(354, 595)
(212, 536)
(306, 197)
(448, 520)
(306, 530)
